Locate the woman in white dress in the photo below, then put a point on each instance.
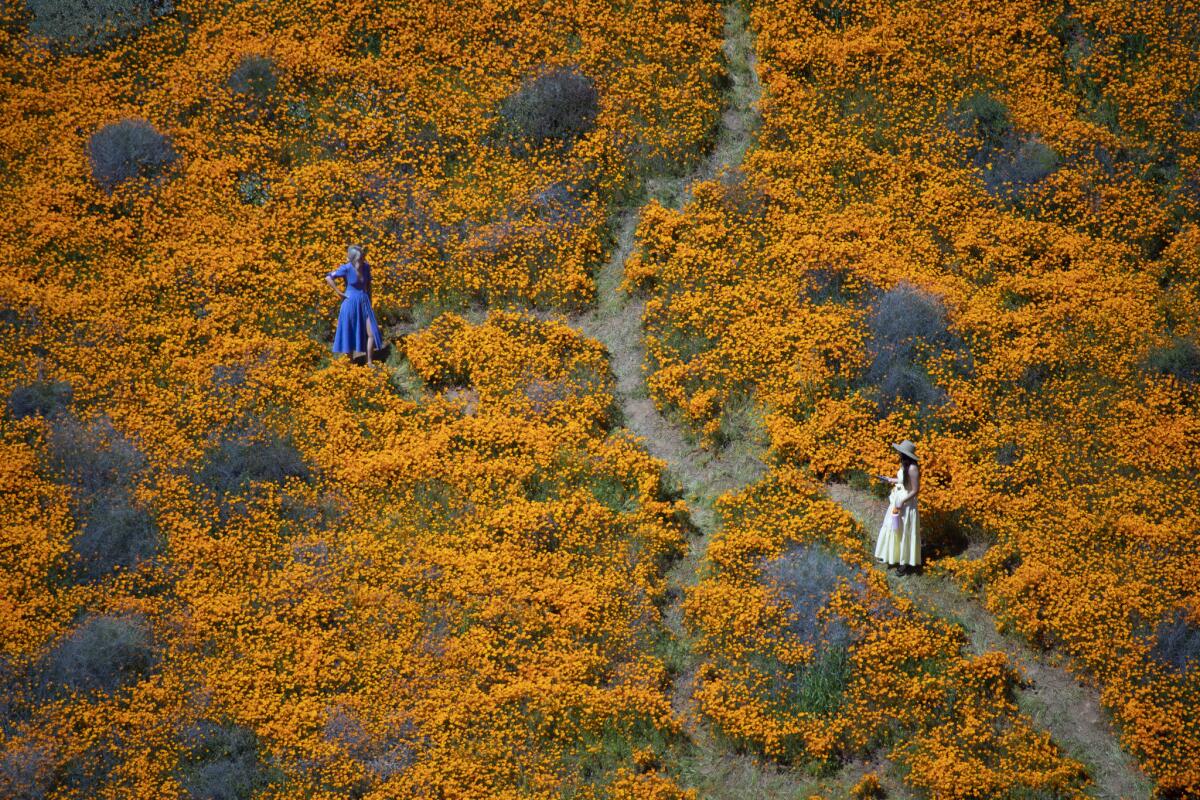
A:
(899, 539)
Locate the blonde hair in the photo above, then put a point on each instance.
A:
(358, 260)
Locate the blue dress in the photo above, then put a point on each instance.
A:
(355, 317)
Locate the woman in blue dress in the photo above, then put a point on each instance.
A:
(357, 330)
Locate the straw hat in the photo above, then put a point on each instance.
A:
(907, 448)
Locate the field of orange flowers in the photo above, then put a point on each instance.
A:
(978, 231)
(231, 566)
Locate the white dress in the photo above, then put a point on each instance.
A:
(900, 544)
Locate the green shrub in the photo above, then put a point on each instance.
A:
(907, 325)
(79, 25)
(40, 398)
(221, 761)
(102, 467)
(253, 189)
(984, 116)
(557, 105)
(834, 13)
(1188, 110)
(101, 655)
(254, 78)
(1180, 359)
(819, 687)
(131, 148)
(613, 494)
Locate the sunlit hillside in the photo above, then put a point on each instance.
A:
(660, 283)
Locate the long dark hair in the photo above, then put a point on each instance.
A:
(905, 463)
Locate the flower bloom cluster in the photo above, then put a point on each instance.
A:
(230, 565)
(1028, 174)
(872, 671)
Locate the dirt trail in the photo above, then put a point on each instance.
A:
(1057, 702)
(617, 318)
(701, 474)
(617, 322)
(714, 769)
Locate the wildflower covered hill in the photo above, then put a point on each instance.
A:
(232, 568)
(979, 228)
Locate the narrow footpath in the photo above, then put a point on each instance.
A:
(702, 475)
(1056, 701)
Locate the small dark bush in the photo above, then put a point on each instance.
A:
(102, 654)
(1180, 359)
(384, 757)
(253, 189)
(238, 460)
(116, 533)
(907, 325)
(25, 773)
(805, 576)
(102, 467)
(984, 116)
(1012, 161)
(1024, 161)
(827, 285)
(42, 398)
(93, 458)
(421, 227)
(229, 376)
(80, 25)
(222, 762)
(86, 772)
(560, 203)
(128, 149)
(254, 78)
(742, 195)
(1008, 454)
(835, 13)
(558, 105)
(1034, 376)
(1188, 110)
(1177, 642)
(910, 383)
